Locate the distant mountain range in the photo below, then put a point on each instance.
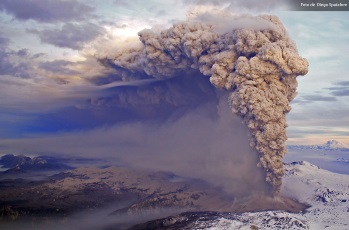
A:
(14, 164)
(329, 145)
(22, 163)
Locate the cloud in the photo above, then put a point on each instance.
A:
(4, 41)
(32, 85)
(23, 53)
(257, 6)
(226, 22)
(122, 2)
(316, 134)
(29, 95)
(340, 89)
(48, 11)
(318, 115)
(71, 35)
(13, 62)
(242, 6)
(319, 98)
(59, 67)
(211, 2)
(297, 132)
(314, 98)
(341, 92)
(17, 63)
(342, 83)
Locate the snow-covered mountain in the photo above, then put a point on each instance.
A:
(23, 164)
(325, 192)
(333, 144)
(329, 145)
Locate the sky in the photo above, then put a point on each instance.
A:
(50, 74)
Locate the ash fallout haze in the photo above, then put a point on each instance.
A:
(196, 99)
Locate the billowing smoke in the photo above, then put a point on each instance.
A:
(250, 57)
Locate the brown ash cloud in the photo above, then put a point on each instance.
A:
(250, 57)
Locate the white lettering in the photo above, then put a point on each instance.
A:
(337, 4)
(322, 4)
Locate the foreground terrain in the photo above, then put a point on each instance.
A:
(327, 194)
(125, 198)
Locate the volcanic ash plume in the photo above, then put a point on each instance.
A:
(254, 60)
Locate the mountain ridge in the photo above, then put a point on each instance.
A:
(328, 146)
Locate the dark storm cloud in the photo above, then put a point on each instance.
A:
(71, 35)
(340, 89)
(46, 10)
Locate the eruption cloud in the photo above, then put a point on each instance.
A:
(250, 57)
